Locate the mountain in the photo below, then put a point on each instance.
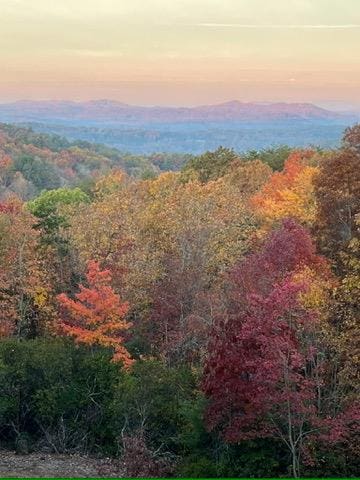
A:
(145, 130)
(113, 111)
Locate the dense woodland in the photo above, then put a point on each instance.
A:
(32, 162)
(201, 322)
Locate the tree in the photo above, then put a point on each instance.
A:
(248, 177)
(337, 192)
(111, 215)
(265, 369)
(96, 316)
(37, 170)
(289, 193)
(24, 284)
(351, 137)
(343, 314)
(199, 230)
(274, 157)
(51, 211)
(46, 208)
(210, 165)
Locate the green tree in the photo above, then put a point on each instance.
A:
(210, 165)
(274, 157)
(47, 208)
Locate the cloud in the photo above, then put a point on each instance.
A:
(274, 26)
(95, 53)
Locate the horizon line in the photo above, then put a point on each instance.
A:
(251, 102)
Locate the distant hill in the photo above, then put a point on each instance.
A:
(110, 110)
(31, 162)
(185, 130)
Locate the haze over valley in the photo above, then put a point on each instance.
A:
(143, 129)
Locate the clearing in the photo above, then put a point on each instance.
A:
(55, 465)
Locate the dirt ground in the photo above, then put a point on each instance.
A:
(53, 465)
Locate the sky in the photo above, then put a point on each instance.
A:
(181, 52)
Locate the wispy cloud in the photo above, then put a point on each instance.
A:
(93, 53)
(274, 26)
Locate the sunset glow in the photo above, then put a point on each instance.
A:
(181, 52)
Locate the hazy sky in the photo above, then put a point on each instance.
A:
(181, 52)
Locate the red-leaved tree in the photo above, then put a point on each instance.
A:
(265, 371)
(96, 316)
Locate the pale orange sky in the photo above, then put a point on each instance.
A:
(181, 52)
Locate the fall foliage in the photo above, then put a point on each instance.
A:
(230, 287)
(337, 192)
(96, 316)
(289, 192)
(267, 350)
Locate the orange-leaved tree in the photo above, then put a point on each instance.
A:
(96, 316)
(289, 193)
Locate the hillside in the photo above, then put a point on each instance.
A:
(128, 309)
(31, 162)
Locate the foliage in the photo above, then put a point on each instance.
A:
(96, 316)
(24, 286)
(46, 207)
(37, 171)
(36, 162)
(210, 165)
(351, 137)
(289, 193)
(275, 157)
(139, 460)
(265, 352)
(248, 177)
(242, 339)
(344, 318)
(56, 395)
(337, 192)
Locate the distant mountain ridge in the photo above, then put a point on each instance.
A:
(145, 129)
(115, 111)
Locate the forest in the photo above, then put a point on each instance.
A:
(184, 315)
(32, 162)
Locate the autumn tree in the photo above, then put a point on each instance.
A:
(112, 216)
(265, 369)
(96, 316)
(351, 137)
(337, 192)
(337, 228)
(248, 177)
(24, 285)
(343, 315)
(205, 228)
(289, 193)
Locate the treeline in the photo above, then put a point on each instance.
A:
(199, 323)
